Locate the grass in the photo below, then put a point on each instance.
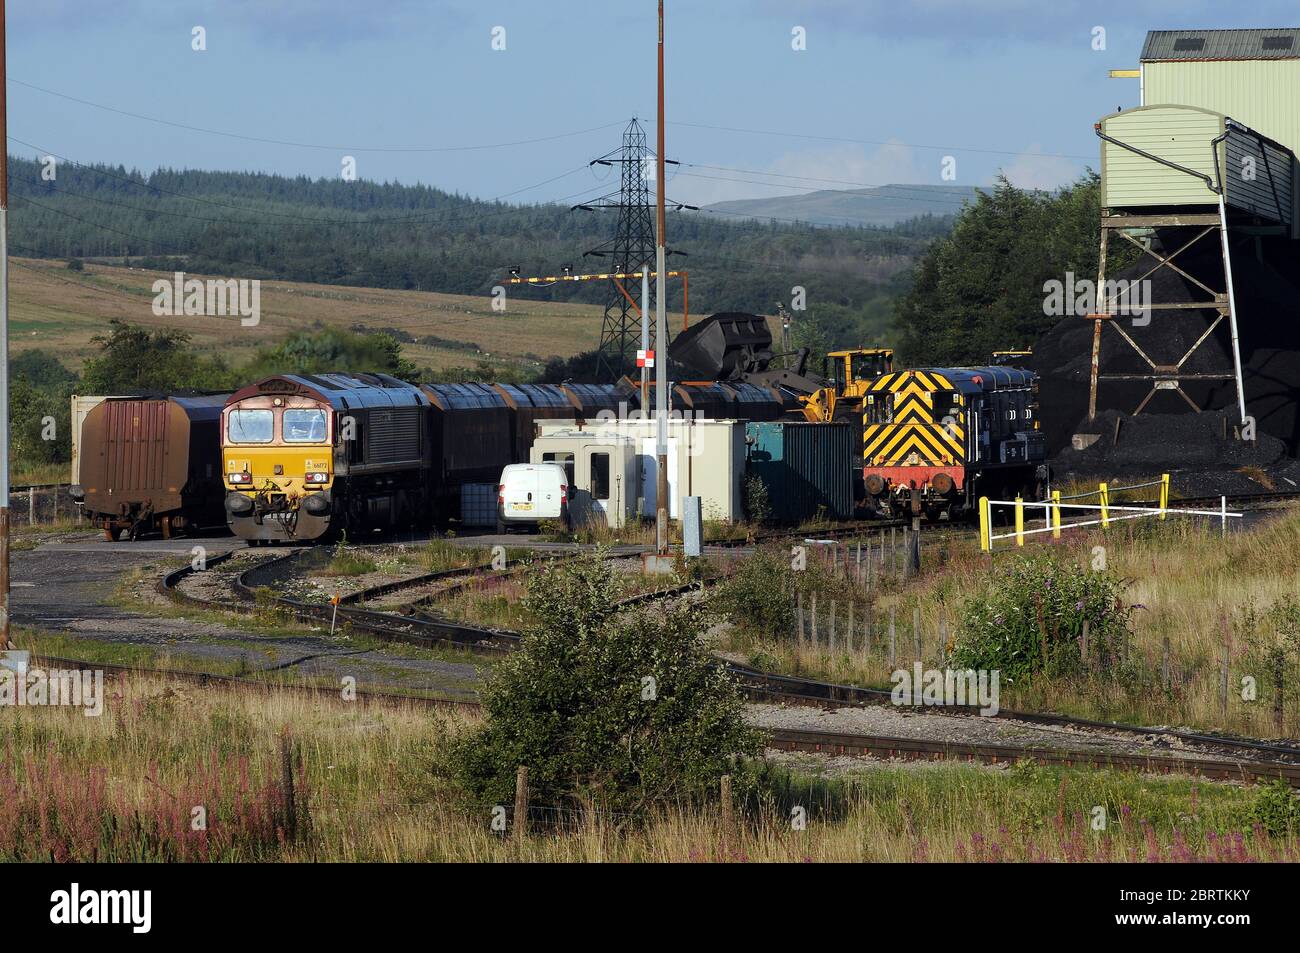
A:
(1189, 583)
(122, 787)
(61, 310)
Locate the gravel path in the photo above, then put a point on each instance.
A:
(62, 589)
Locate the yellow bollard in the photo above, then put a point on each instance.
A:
(986, 540)
(1164, 494)
(1104, 493)
(1020, 521)
(1056, 514)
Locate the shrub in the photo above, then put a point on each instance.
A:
(1030, 618)
(758, 506)
(757, 594)
(576, 705)
(1276, 809)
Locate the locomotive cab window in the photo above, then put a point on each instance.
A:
(304, 425)
(250, 426)
(880, 410)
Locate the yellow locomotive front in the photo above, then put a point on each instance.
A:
(278, 464)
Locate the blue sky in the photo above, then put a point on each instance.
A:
(882, 93)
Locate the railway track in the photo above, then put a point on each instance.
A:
(758, 685)
(785, 739)
(911, 749)
(804, 691)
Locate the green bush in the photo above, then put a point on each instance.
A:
(576, 707)
(758, 505)
(756, 596)
(1276, 809)
(1030, 619)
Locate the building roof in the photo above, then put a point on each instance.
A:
(1281, 43)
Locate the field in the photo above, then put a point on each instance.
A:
(1193, 592)
(55, 308)
(125, 786)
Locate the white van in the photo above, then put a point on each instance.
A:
(531, 492)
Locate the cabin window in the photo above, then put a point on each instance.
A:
(250, 426)
(564, 458)
(600, 476)
(304, 425)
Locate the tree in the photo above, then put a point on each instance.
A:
(980, 289)
(138, 360)
(626, 710)
(320, 352)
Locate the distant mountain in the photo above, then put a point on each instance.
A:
(884, 205)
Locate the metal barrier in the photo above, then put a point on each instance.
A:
(1052, 514)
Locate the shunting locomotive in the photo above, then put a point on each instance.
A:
(937, 439)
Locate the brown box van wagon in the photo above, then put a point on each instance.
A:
(152, 464)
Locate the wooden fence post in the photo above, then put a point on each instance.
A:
(813, 633)
(916, 632)
(521, 804)
(727, 818)
(798, 621)
(830, 642)
(848, 629)
(31, 507)
(1279, 694)
(286, 780)
(893, 655)
(1084, 648)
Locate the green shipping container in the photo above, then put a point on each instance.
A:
(807, 468)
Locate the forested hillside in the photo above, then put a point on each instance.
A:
(388, 235)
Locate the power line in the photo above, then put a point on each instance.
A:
(803, 188)
(313, 145)
(881, 142)
(929, 190)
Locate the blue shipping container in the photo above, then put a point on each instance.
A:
(807, 468)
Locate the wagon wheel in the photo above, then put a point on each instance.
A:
(112, 533)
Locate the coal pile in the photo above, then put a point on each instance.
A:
(1200, 451)
(1266, 275)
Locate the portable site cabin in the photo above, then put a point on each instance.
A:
(1175, 155)
(706, 458)
(602, 469)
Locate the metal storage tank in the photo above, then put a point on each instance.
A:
(471, 432)
(1166, 155)
(805, 467)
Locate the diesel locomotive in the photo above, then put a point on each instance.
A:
(937, 439)
(304, 455)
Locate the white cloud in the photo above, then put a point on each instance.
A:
(1029, 170)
